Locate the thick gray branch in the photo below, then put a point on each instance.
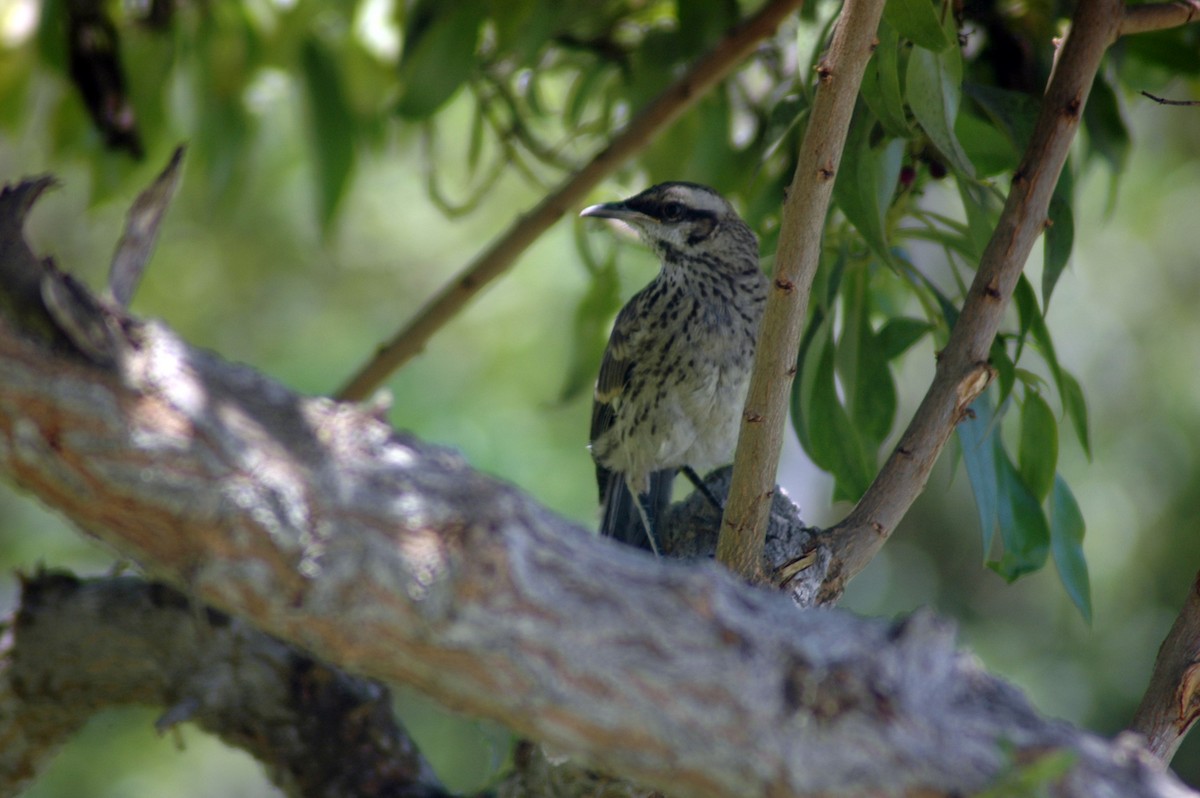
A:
(76, 647)
(320, 525)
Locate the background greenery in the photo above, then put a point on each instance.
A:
(347, 159)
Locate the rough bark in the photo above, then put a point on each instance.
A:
(77, 647)
(318, 524)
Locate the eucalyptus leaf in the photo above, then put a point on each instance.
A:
(1067, 530)
(933, 87)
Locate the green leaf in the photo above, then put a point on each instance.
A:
(919, 21)
(975, 435)
(1013, 112)
(1037, 455)
(1023, 527)
(1076, 409)
(438, 56)
(985, 145)
(1107, 135)
(933, 87)
(593, 317)
(702, 22)
(866, 377)
(897, 335)
(881, 84)
(331, 127)
(1066, 542)
(867, 181)
(983, 211)
(829, 437)
(1060, 235)
(1006, 370)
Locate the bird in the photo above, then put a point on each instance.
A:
(674, 375)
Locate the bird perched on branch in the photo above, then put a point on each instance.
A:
(675, 372)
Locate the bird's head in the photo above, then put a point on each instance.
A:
(685, 222)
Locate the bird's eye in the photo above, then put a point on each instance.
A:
(673, 211)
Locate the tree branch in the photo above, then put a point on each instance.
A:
(962, 371)
(317, 523)
(804, 210)
(1158, 16)
(668, 106)
(1171, 703)
(76, 647)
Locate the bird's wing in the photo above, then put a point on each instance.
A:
(615, 370)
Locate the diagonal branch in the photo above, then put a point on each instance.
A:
(760, 441)
(318, 524)
(1171, 703)
(962, 368)
(709, 70)
(1159, 16)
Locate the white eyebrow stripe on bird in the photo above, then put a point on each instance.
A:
(697, 199)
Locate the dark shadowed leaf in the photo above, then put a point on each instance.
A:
(1013, 112)
(331, 127)
(881, 84)
(1107, 135)
(1059, 236)
(919, 21)
(439, 41)
(897, 335)
(1066, 542)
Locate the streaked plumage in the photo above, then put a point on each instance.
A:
(675, 372)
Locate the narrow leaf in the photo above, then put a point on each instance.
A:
(1038, 452)
(898, 334)
(1076, 408)
(439, 43)
(881, 84)
(1060, 235)
(933, 87)
(867, 181)
(918, 21)
(975, 438)
(331, 126)
(1023, 527)
(1066, 542)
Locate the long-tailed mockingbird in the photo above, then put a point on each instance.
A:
(674, 375)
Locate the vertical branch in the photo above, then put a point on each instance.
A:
(711, 69)
(743, 528)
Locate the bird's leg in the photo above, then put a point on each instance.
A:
(694, 478)
(646, 522)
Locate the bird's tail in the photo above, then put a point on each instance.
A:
(622, 520)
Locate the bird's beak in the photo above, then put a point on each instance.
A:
(615, 210)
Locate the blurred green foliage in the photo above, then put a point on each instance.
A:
(346, 158)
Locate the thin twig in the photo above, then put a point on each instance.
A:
(962, 369)
(1165, 101)
(744, 526)
(1171, 703)
(492, 262)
